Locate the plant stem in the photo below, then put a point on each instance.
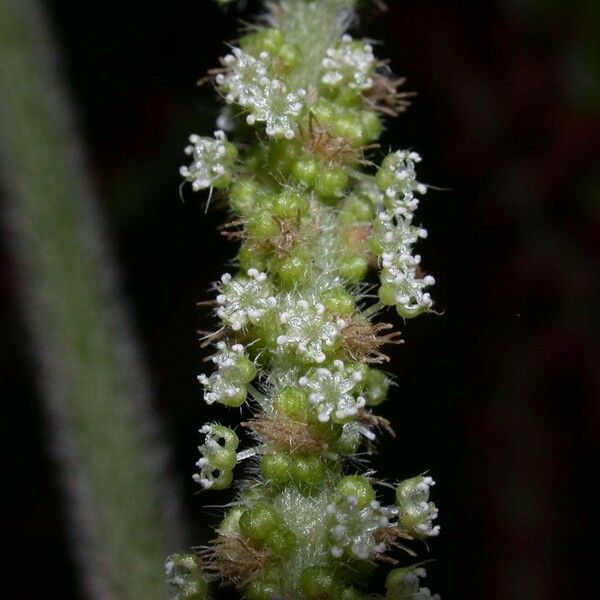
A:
(124, 513)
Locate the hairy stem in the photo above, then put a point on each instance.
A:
(105, 435)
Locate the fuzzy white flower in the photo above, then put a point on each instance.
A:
(330, 391)
(248, 82)
(212, 161)
(228, 384)
(350, 63)
(218, 457)
(307, 329)
(400, 279)
(244, 300)
(401, 183)
(353, 529)
(416, 512)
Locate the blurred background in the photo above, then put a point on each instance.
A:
(497, 398)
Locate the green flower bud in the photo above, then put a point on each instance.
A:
(385, 178)
(371, 126)
(293, 268)
(243, 195)
(416, 512)
(324, 111)
(288, 205)
(230, 525)
(304, 170)
(349, 126)
(338, 302)
(288, 56)
(331, 183)
(245, 369)
(282, 155)
(265, 40)
(318, 583)
(184, 573)
(358, 487)
(281, 541)
(293, 403)
(256, 522)
(275, 466)
(262, 226)
(354, 268)
(376, 385)
(349, 98)
(308, 470)
(252, 256)
(357, 209)
(348, 442)
(387, 294)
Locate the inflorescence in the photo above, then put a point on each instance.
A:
(298, 347)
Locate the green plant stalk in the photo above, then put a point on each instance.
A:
(124, 513)
(299, 347)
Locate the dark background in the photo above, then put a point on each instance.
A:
(497, 397)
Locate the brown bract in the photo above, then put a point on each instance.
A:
(283, 433)
(363, 340)
(233, 560)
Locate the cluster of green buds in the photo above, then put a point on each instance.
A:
(299, 346)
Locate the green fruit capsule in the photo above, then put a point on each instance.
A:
(266, 40)
(304, 171)
(293, 403)
(252, 255)
(371, 126)
(338, 302)
(292, 268)
(348, 125)
(376, 385)
(324, 111)
(358, 487)
(245, 369)
(410, 313)
(349, 98)
(281, 541)
(385, 178)
(331, 183)
(282, 155)
(258, 521)
(308, 470)
(289, 205)
(226, 435)
(260, 590)
(357, 209)
(221, 458)
(230, 525)
(275, 466)
(263, 226)
(237, 397)
(354, 268)
(242, 196)
(349, 441)
(387, 294)
(222, 481)
(318, 583)
(288, 56)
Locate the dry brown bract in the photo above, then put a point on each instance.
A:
(283, 433)
(390, 537)
(233, 560)
(363, 340)
(385, 97)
